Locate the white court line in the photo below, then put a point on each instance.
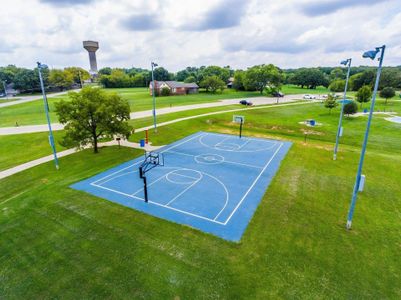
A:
(239, 151)
(223, 140)
(162, 205)
(116, 172)
(183, 142)
(186, 189)
(224, 161)
(186, 212)
(248, 140)
(253, 184)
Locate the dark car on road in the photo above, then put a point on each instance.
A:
(246, 102)
(277, 94)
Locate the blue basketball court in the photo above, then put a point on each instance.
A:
(212, 182)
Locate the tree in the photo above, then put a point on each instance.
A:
(360, 79)
(364, 94)
(105, 71)
(258, 77)
(61, 79)
(212, 84)
(222, 73)
(337, 74)
(26, 80)
(387, 93)
(91, 114)
(350, 108)
(161, 74)
(337, 85)
(390, 77)
(238, 84)
(190, 79)
(310, 77)
(78, 74)
(330, 102)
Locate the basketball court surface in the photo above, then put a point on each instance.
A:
(209, 181)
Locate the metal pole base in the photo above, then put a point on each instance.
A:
(349, 224)
(335, 157)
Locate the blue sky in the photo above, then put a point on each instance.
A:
(180, 33)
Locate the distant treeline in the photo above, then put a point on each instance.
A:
(256, 78)
(27, 80)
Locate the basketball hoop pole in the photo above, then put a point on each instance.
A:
(240, 128)
(145, 186)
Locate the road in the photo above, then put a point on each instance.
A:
(148, 113)
(25, 99)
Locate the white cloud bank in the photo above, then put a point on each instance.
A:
(180, 33)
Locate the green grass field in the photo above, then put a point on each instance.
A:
(139, 99)
(60, 243)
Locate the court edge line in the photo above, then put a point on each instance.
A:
(158, 204)
(173, 146)
(253, 184)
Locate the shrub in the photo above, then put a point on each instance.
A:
(350, 108)
(165, 91)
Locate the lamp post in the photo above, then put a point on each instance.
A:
(340, 130)
(51, 138)
(153, 95)
(368, 54)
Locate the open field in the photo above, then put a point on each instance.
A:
(21, 148)
(281, 121)
(60, 242)
(139, 99)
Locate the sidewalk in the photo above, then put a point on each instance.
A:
(25, 99)
(148, 113)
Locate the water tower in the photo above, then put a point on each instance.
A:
(91, 47)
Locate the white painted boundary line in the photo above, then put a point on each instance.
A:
(253, 184)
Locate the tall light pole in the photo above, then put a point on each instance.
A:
(153, 95)
(340, 129)
(51, 138)
(368, 54)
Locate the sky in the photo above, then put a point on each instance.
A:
(181, 33)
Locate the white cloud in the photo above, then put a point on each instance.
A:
(180, 33)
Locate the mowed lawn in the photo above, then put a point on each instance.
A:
(139, 99)
(60, 243)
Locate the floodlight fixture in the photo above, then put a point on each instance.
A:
(371, 53)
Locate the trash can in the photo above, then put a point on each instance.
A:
(142, 143)
(365, 111)
(312, 122)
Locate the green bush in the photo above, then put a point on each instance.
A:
(165, 91)
(350, 108)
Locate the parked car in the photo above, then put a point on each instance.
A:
(246, 102)
(277, 94)
(309, 97)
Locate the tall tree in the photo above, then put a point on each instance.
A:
(91, 114)
(258, 77)
(387, 93)
(364, 94)
(61, 79)
(78, 74)
(310, 77)
(161, 74)
(212, 84)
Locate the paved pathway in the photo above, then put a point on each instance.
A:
(24, 99)
(36, 162)
(148, 113)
